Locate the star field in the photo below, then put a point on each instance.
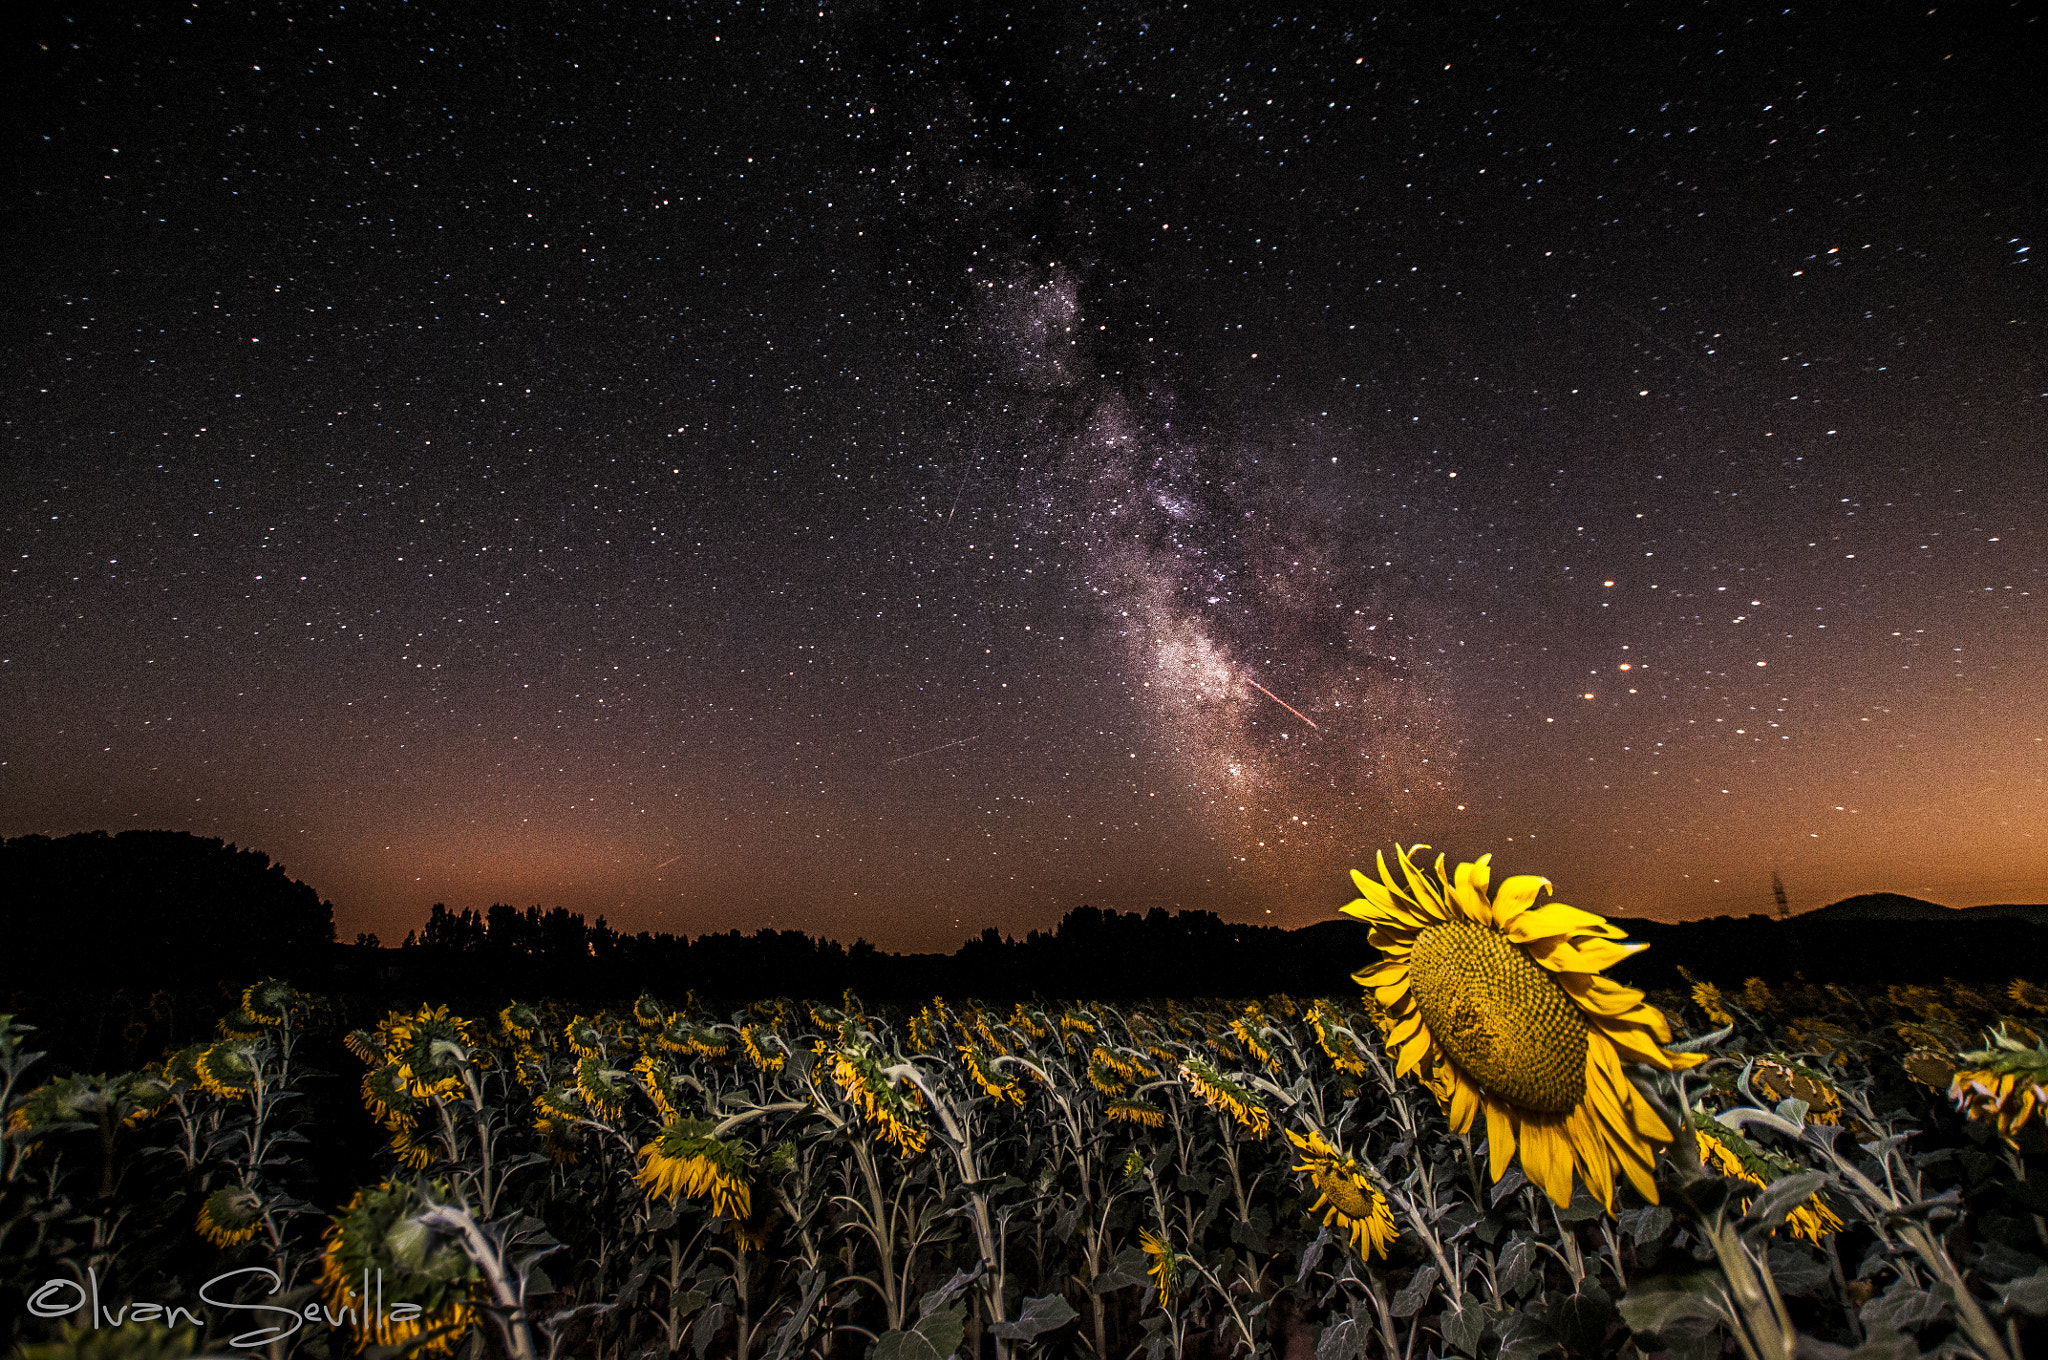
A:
(881, 472)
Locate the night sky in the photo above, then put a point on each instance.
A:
(876, 472)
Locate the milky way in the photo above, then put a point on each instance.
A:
(891, 475)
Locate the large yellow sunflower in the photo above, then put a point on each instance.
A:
(1498, 1006)
(1353, 1203)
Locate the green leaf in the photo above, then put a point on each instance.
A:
(952, 1289)
(1780, 1198)
(1040, 1315)
(1580, 1321)
(1647, 1223)
(934, 1338)
(1409, 1301)
(1902, 1308)
(1463, 1326)
(1655, 1305)
(2027, 1295)
(1797, 1270)
(1126, 1269)
(1339, 1341)
(1518, 1267)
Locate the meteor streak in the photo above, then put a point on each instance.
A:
(1282, 702)
(928, 750)
(665, 863)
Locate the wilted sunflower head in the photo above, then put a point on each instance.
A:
(1353, 1202)
(229, 1217)
(862, 1078)
(1499, 1006)
(1929, 1067)
(584, 1037)
(1221, 1093)
(648, 1014)
(432, 1050)
(521, 1022)
(227, 1068)
(2007, 1085)
(1780, 1079)
(418, 1265)
(1140, 1112)
(1165, 1267)
(270, 1002)
(1729, 1153)
(687, 1159)
(388, 1097)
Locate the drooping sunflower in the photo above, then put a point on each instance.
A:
(1141, 1112)
(603, 1088)
(230, 1216)
(685, 1159)
(1782, 1079)
(432, 1048)
(2027, 996)
(1221, 1093)
(269, 1002)
(1325, 1024)
(393, 1279)
(863, 1081)
(226, 1068)
(1707, 997)
(982, 1071)
(2006, 1085)
(1354, 1203)
(761, 1058)
(1499, 1007)
(520, 1022)
(1165, 1265)
(1729, 1153)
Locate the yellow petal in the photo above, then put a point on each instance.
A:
(1500, 1138)
(1603, 996)
(1547, 1159)
(1563, 954)
(1419, 888)
(1555, 918)
(1464, 1105)
(1589, 1145)
(1411, 1054)
(1381, 973)
(1516, 896)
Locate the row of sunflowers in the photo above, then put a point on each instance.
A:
(1497, 1151)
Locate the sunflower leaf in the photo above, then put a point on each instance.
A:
(1039, 1315)
(2027, 1295)
(1409, 1301)
(1126, 1269)
(1780, 1198)
(1657, 1305)
(1339, 1341)
(952, 1289)
(1512, 1181)
(1902, 1308)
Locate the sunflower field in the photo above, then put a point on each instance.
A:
(1493, 1150)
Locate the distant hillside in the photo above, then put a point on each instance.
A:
(1894, 907)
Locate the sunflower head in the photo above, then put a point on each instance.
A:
(520, 1022)
(1498, 1005)
(1143, 1113)
(1729, 1153)
(388, 1097)
(1222, 1094)
(686, 1159)
(2006, 1085)
(602, 1089)
(227, 1068)
(2028, 996)
(1781, 1079)
(429, 1284)
(432, 1050)
(647, 1013)
(861, 1077)
(270, 1002)
(229, 1217)
(1354, 1204)
(1165, 1267)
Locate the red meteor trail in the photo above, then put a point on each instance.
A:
(1282, 702)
